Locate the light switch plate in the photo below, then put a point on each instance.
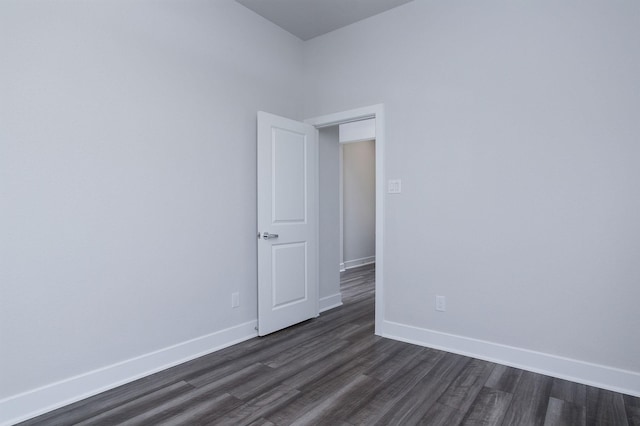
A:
(394, 186)
(441, 303)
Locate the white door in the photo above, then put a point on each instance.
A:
(287, 246)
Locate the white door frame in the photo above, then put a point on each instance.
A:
(377, 112)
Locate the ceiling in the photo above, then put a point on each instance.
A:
(307, 19)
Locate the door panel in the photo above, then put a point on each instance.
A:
(289, 163)
(289, 274)
(287, 258)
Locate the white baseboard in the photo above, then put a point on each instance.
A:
(38, 401)
(602, 376)
(330, 302)
(348, 264)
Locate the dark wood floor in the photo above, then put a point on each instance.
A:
(333, 371)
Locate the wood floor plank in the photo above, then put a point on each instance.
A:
(605, 407)
(312, 374)
(454, 403)
(350, 367)
(262, 422)
(273, 377)
(357, 333)
(632, 407)
(195, 407)
(569, 392)
(464, 389)
(307, 352)
(414, 405)
(489, 408)
(391, 391)
(340, 403)
(137, 406)
(230, 380)
(389, 367)
(564, 413)
(315, 404)
(504, 378)
(259, 407)
(530, 400)
(220, 370)
(439, 415)
(213, 395)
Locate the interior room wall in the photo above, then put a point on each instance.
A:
(514, 128)
(128, 179)
(359, 202)
(127, 173)
(329, 217)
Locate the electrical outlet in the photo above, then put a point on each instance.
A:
(235, 300)
(441, 303)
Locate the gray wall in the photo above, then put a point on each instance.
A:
(359, 201)
(329, 216)
(514, 128)
(128, 176)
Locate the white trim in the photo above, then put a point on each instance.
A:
(38, 401)
(601, 376)
(356, 114)
(357, 141)
(341, 195)
(359, 262)
(330, 302)
(354, 131)
(317, 214)
(377, 112)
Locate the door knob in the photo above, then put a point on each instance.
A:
(268, 236)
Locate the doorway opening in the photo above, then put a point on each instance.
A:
(330, 274)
